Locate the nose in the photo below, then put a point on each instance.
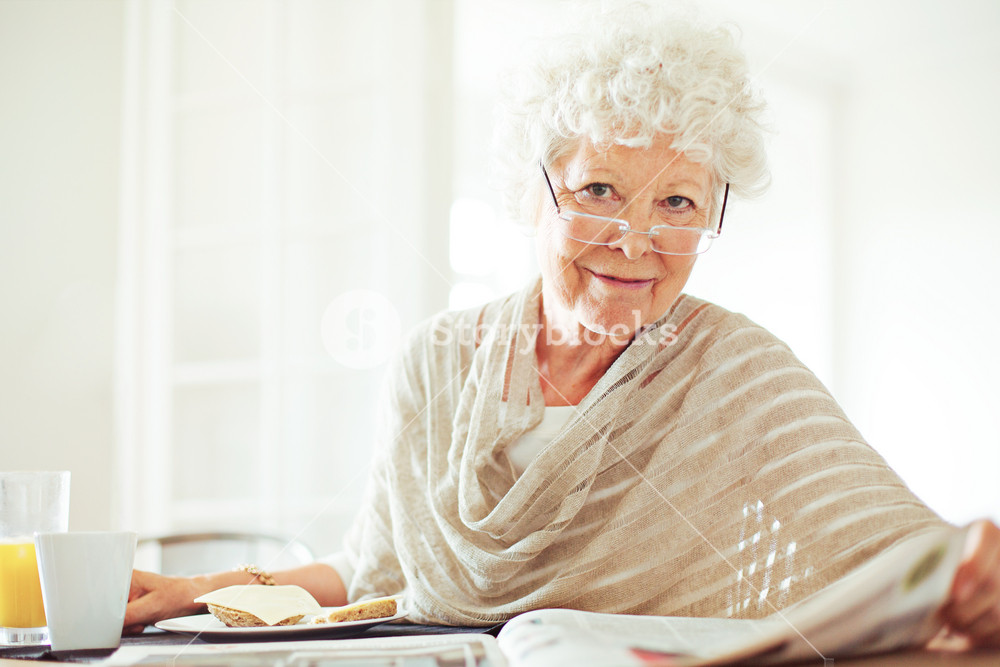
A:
(636, 242)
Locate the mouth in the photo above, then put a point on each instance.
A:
(624, 283)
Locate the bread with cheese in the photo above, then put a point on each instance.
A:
(258, 606)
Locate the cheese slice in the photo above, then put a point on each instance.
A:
(270, 604)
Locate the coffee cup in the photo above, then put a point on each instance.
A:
(85, 579)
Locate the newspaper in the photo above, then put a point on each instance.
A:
(889, 603)
(448, 650)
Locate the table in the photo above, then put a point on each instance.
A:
(28, 655)
(25, 657)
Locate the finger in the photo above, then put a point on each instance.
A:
(962, 615)
(980, 563)
(135, 592)
(948, 641)
(142, 610)
(138, 586)
(985, 631)
(133, 629)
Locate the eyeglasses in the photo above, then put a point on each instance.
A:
(665, 239)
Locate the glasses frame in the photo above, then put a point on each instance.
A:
(626, 228)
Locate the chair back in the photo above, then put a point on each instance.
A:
(198, 553)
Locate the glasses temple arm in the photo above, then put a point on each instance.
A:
(722, 214)
(549, 183)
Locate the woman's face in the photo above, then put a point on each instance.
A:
(619, 288)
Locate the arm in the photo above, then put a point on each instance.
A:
(154, 597)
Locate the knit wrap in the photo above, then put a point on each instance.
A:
(708, 473)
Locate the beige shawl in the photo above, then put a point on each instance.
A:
(708, 473)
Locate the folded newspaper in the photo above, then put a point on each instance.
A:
(889, 603)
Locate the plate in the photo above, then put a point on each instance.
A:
(206, 626)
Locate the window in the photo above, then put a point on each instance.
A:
(279, 183)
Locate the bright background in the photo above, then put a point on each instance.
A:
(214, 214)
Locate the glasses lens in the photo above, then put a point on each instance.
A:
(681, 241)
(599, 231)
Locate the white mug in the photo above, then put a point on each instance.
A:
(85, 579)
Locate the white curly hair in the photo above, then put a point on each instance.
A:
(633, 73)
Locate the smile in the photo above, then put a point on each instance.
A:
(624, 283)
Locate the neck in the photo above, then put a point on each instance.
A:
(572, 359)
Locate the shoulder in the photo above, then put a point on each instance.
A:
(457, 330)
(721, 343)
(694, 320)
(444, 344)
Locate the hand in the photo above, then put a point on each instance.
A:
(154, 597)
(973, 606)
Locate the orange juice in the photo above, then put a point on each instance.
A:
(20, 590)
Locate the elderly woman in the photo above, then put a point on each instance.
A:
(600, 440)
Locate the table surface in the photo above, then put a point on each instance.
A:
(41, 654)
(24, 656)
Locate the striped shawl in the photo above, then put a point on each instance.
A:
(708, 473)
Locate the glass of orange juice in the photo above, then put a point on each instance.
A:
(29, 502)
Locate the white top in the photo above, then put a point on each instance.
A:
(529, 445)
(521, 453)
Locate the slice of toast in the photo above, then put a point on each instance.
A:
(242, 619)
(360, 611)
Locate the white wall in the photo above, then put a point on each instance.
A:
(60, 96)
(920, 250)
(916, 239)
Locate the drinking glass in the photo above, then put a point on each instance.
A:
(29, 502)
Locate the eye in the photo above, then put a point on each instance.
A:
(680, 211)
(599, 190)
(598, 199)
(679, 203)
